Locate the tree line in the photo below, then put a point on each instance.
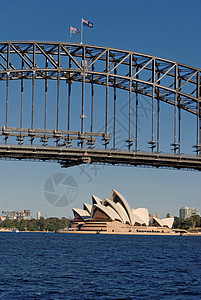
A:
(192, 222)
(53, 224)
(49, 224)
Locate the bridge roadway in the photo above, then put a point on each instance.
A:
(68, 157)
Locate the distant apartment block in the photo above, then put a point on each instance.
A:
(38, 215)
(20, 215)
(187, 212)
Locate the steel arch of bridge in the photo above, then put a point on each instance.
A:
(159, 79)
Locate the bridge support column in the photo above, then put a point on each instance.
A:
(136, 112)
(198, 146)
(69, 103)
(198, 92)
(20, 137)
(46, 86)
(199, 110)
(83, 94)
(179, 108)
(200, 132)
(33, 90)
(58, 90)
(153, 99)
(45, 139)
(158, 113)
(92, 107)
(152, 127)
(106, 104)
(22, 91)
(153, 143)
(129, 140)
(176, 145)
(115, 99)
(7, 87)
(158, 124)
(32, 110)
(175, 113)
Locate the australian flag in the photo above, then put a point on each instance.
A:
(87, 23)
(74, 30)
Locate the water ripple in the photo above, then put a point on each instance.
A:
(62, 266)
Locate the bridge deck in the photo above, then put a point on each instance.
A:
(68, 157)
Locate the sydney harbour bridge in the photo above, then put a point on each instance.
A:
(76, 103)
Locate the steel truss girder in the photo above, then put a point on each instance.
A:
(159, 79)
(40, 74)
(54, 52)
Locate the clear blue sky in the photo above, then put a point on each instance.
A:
(167, 29)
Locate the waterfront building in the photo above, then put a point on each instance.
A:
(18, 214)
(38, 215)
(187, 212)
(115, 215)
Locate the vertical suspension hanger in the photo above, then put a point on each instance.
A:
(69, 104)
(115, 99)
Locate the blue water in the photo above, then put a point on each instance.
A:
(62, 266)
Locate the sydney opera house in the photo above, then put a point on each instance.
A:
(114, 215)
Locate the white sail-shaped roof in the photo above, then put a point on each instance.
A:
(141, 216)
(158, 221)
(120, 200)
(168, 222)
(83, 214)
(87, 207)
(118, 208)
(106, 210)
(96, 200)
(114, 213)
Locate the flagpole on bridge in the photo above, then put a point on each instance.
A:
(70, 34)
(81, 31)
(86, 23)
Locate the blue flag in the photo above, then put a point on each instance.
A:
(87, 23)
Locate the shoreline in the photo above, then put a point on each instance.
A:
(109, 233)
(131, 233)
(27, 231)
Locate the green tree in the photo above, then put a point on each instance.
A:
(192, 222)
(50, 224)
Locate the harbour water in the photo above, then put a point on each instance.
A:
(62, 266)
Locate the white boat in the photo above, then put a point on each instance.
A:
(15, 230)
